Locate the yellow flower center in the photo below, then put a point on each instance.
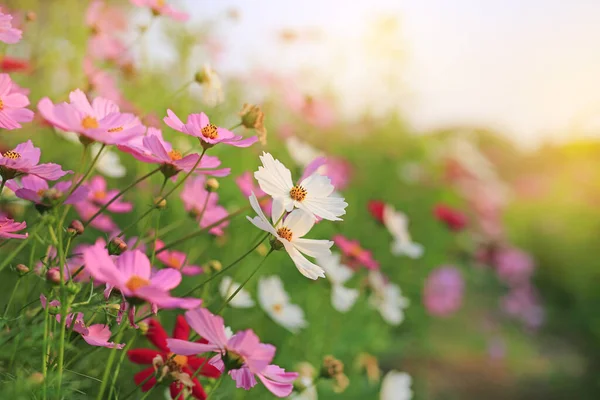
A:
(355, 250)
(177, 362)
(160, 3)
(117, 129)
(135, 282)
(210, 131)
(175, 155)
(298, 193)
(100, 195)
(174, 262)
(13, 155)
(1, 105)
(285, 233)
(89, 123)
(277, 308)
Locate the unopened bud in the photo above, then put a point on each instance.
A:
(73, 288)
(22, 269)
(253, 118)
(211, 185)
(75, 228)
(37, 378)
(340, 383)
(331, 367)
(276, 244)
(202, 76)
(114, 306)
(143, 327)
(53, 275)
(30, 16)
(160, 202)
(369, 364)
(117, 246)
(213, 266)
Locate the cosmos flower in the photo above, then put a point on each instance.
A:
(182, 369)
(9, 226)
(397, 224)
(198, 125)
(247, 186)
(289, 231)
(152, 148)
(24, 160)
(522, 303)
(443, 292)
(12, 104)
(513, 266)
(396, 386)
(160, 7)
(454, 219)
(387, 298)
(97, 197)
(301, 152)
(100, 121)
(212, 89)
(276, 302)
(132, 275)
(242, 299)
(203, 205)
(353, 254)
(8, 34)
(242, 354)
(176, 260)
(36, 189)
(103, 17)
(313, 194)
(336, 169)
(342, 298)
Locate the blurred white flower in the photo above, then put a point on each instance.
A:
(309, 393)
(289, 232)
(212, 89)
(396, 386)
(276, 302)
(387, 298)
(342, 298)
(108, 164)
(397, 223)
(301, 152)
(411, 172)
(241, 300)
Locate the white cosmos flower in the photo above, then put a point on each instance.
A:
(387, 298)
(108, 164)
(212, 88)
(241, 300)
(396, 386)
(301, 152)
(312, 195)
(275, 301)
(309, 393)
(397, 223)
(342, 298)
(290, 232)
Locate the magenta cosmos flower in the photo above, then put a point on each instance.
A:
(132, 275)
(36, 189)
(523, 303)
(8, 34)
(336, 169)
(97, 197)
(247, 186)
(353, 254)
(513, 266)
(12, 104)
(203, 205)
(9, 226)
(160, 7)
(199, 126)
(100, 121)
(176, 260)
(242, 355)
(152, 148)
(24, 160)
(443, 291)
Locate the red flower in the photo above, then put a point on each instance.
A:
(376, 208)
(175, 366)
(11, 64)
(454, 219)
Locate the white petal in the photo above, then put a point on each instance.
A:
(241, 300)
(396, 386)
(278, 209)
(313, 247)
(271, 292)
(306, 268)
(343, 298)
(261, 221)
(109, 164)
(337, 272)
(329, 208)
(409, 249)
(273, 177)
(317, 186)
(290, 317)
(299, 222)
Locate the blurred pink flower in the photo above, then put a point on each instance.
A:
(105, 47)
(203, 205)
(24, 160)
(160, 7)
(316, 111)
(242, 354)
(513, 266)
(247, 185)
(99, 121)
(198, 125)
(103, 17)
(336, 169)
(9, 226)
(36, 189)
(104, 84)
(8, 34)
(443, 292)
(176, 260)
(522, 303)
(354, 255)
(12, 104)
(98, 196)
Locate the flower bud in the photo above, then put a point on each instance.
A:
(331, 367)
(73, 288)
(37, 378)
(253, 118)
(369, 364)
(340, 383)
(30, 16)
(213, 266)
(117, 246)
(203, 76)
(160, 202)
(211, 185)
(75, 228)
(22, 269)
(53, 275)
(143, 327)
(113, 306)
(275, 243)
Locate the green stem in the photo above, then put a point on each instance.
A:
(121, 193)
(45, 353)
(89, 171)
(17, 250)
(116, 373)
(12, 295)
(2, 186)
(214, 389)
(111, 359)
(63, 303)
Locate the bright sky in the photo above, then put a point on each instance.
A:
(527, 67)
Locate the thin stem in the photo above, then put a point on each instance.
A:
(116, 373)
(111, 359)
(235, 126)
(17, 250)
(2, 186)
(45, 352)
(89, 171)
(216, 386)
(63, 304)
(181, 89)
(12, 295)
(121, 193)
(138, 386)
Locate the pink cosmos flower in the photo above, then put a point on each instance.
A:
(103, 17)
(36, 189)
(160, 7)
(152, 148)
(203, 205)
(443, 291)
(336, 169)
(8, 34)
(12, 104)
(94, 335)
(24, 160)
(242, 354)
(354, 254)
(8, 226)
(104, 84)
(132, 275)
(199, 126)
(98, 196)
(99, 121)
(513, 266)
(248, 185)
(523, 304)
(176, 260)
